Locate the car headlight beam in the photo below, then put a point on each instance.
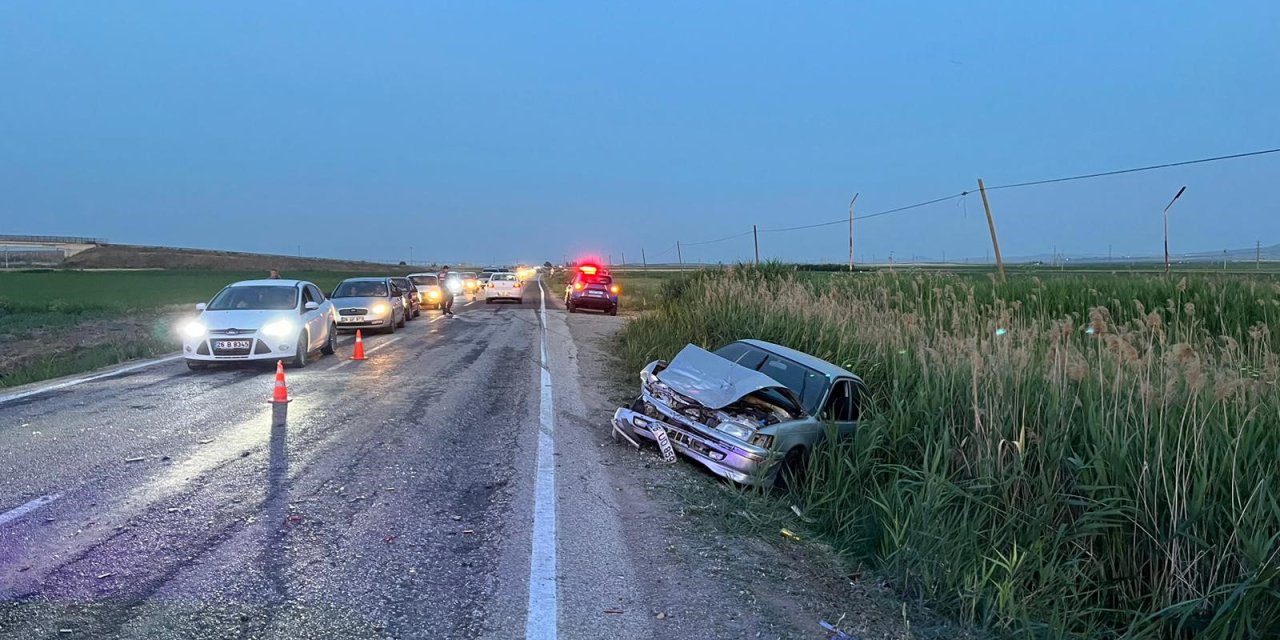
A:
(278, 328)
(379, 309)
(194, 330)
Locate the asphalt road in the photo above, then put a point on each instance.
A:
(402, 499)
(396, 502)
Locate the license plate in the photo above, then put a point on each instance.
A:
(351, 319)
(231, 344)
(595, 294)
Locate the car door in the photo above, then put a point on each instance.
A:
(323, 316)
(842, 407)
(397, 300)
(309, 317)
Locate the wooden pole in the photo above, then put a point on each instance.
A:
(855, 199)
(755, 233)
(991, 225)
(1165, 213)
(679, 254)
(1257, 255)
(643, 260)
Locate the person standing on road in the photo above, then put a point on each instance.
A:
(446, 293)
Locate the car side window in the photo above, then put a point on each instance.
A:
(840, 405)
(859, 395)
(316, 294)
(307, 296)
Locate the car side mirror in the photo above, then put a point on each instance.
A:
(200, 306)
(311, 306)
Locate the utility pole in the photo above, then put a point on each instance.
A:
(991, 225)
(1257, 256)
(299, 251)
(611, 259)
(855, 199)
(410, 255)
(679, 254)
(643, 260)
(624, 258)
(1165, 213)
(755, 233)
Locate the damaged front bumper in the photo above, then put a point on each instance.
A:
(737, 461)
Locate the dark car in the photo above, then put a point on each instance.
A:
(592, 288)
(369, 302)
(412, 306)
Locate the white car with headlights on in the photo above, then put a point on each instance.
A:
(261, 320)
(504, 285)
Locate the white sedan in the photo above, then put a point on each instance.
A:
(504, 285)
(261, 320)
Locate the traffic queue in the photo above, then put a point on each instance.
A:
(291, 320)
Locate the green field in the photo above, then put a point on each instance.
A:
(1065, 455)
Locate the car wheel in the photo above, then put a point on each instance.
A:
(330, 345)
(791, 469)
(301, 352)
(391, 324)
(403, 318)
(197, 365)
(488, 300)
(572, 309)
(417, 313)
(613, 311)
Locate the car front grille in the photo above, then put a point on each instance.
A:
(231, 332)
(353, 312)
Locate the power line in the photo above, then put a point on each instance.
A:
(877, 214)
(1135, 169)
(738, 235)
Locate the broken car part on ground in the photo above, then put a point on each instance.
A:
(746, 411)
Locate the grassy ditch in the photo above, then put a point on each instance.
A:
(1078, 456)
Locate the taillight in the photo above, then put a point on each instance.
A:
(578, 286)
(615, 289)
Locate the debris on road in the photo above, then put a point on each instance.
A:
(836, 633)
(457, 518)
(613, 610)
(102, 576)
(210, 440)
(390, 539)
(789, 534)
(139, 459)
(468, 531)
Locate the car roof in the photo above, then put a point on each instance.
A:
(416, 275)
(802, 358)
(368, 279)
(270, 282)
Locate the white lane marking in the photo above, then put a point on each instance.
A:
(97, 376)
(543, 612)
(436, 318)
(469, 303)
(18, 512)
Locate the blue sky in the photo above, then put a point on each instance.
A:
(527, 131)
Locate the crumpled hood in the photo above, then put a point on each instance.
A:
(716, 382)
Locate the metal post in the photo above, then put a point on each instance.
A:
(1165, 213)
(410, 255)
(624, 258)
(679, 254)
(643, 260)
(855, 199)
(756, 235)
(991, 225)
(1257, 256)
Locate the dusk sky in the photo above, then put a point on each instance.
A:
(497, 132)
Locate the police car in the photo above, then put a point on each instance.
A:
(592, 288)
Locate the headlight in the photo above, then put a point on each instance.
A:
(378, 309)
(278, 328)
(433, 294)
(739, 431)
(194, 330)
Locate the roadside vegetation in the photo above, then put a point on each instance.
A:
(55, 323)
(1078, 455)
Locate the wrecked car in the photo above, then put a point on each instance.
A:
(746, 411)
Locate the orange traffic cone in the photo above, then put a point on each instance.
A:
(358, 354)
(281, 393)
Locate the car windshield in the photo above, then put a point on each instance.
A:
(606, 280)
(808, 384)
(255, 297)
(470, 275)
(425, 281)
(361, 289)
(502, 276)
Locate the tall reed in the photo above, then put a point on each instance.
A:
(1073, 457)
